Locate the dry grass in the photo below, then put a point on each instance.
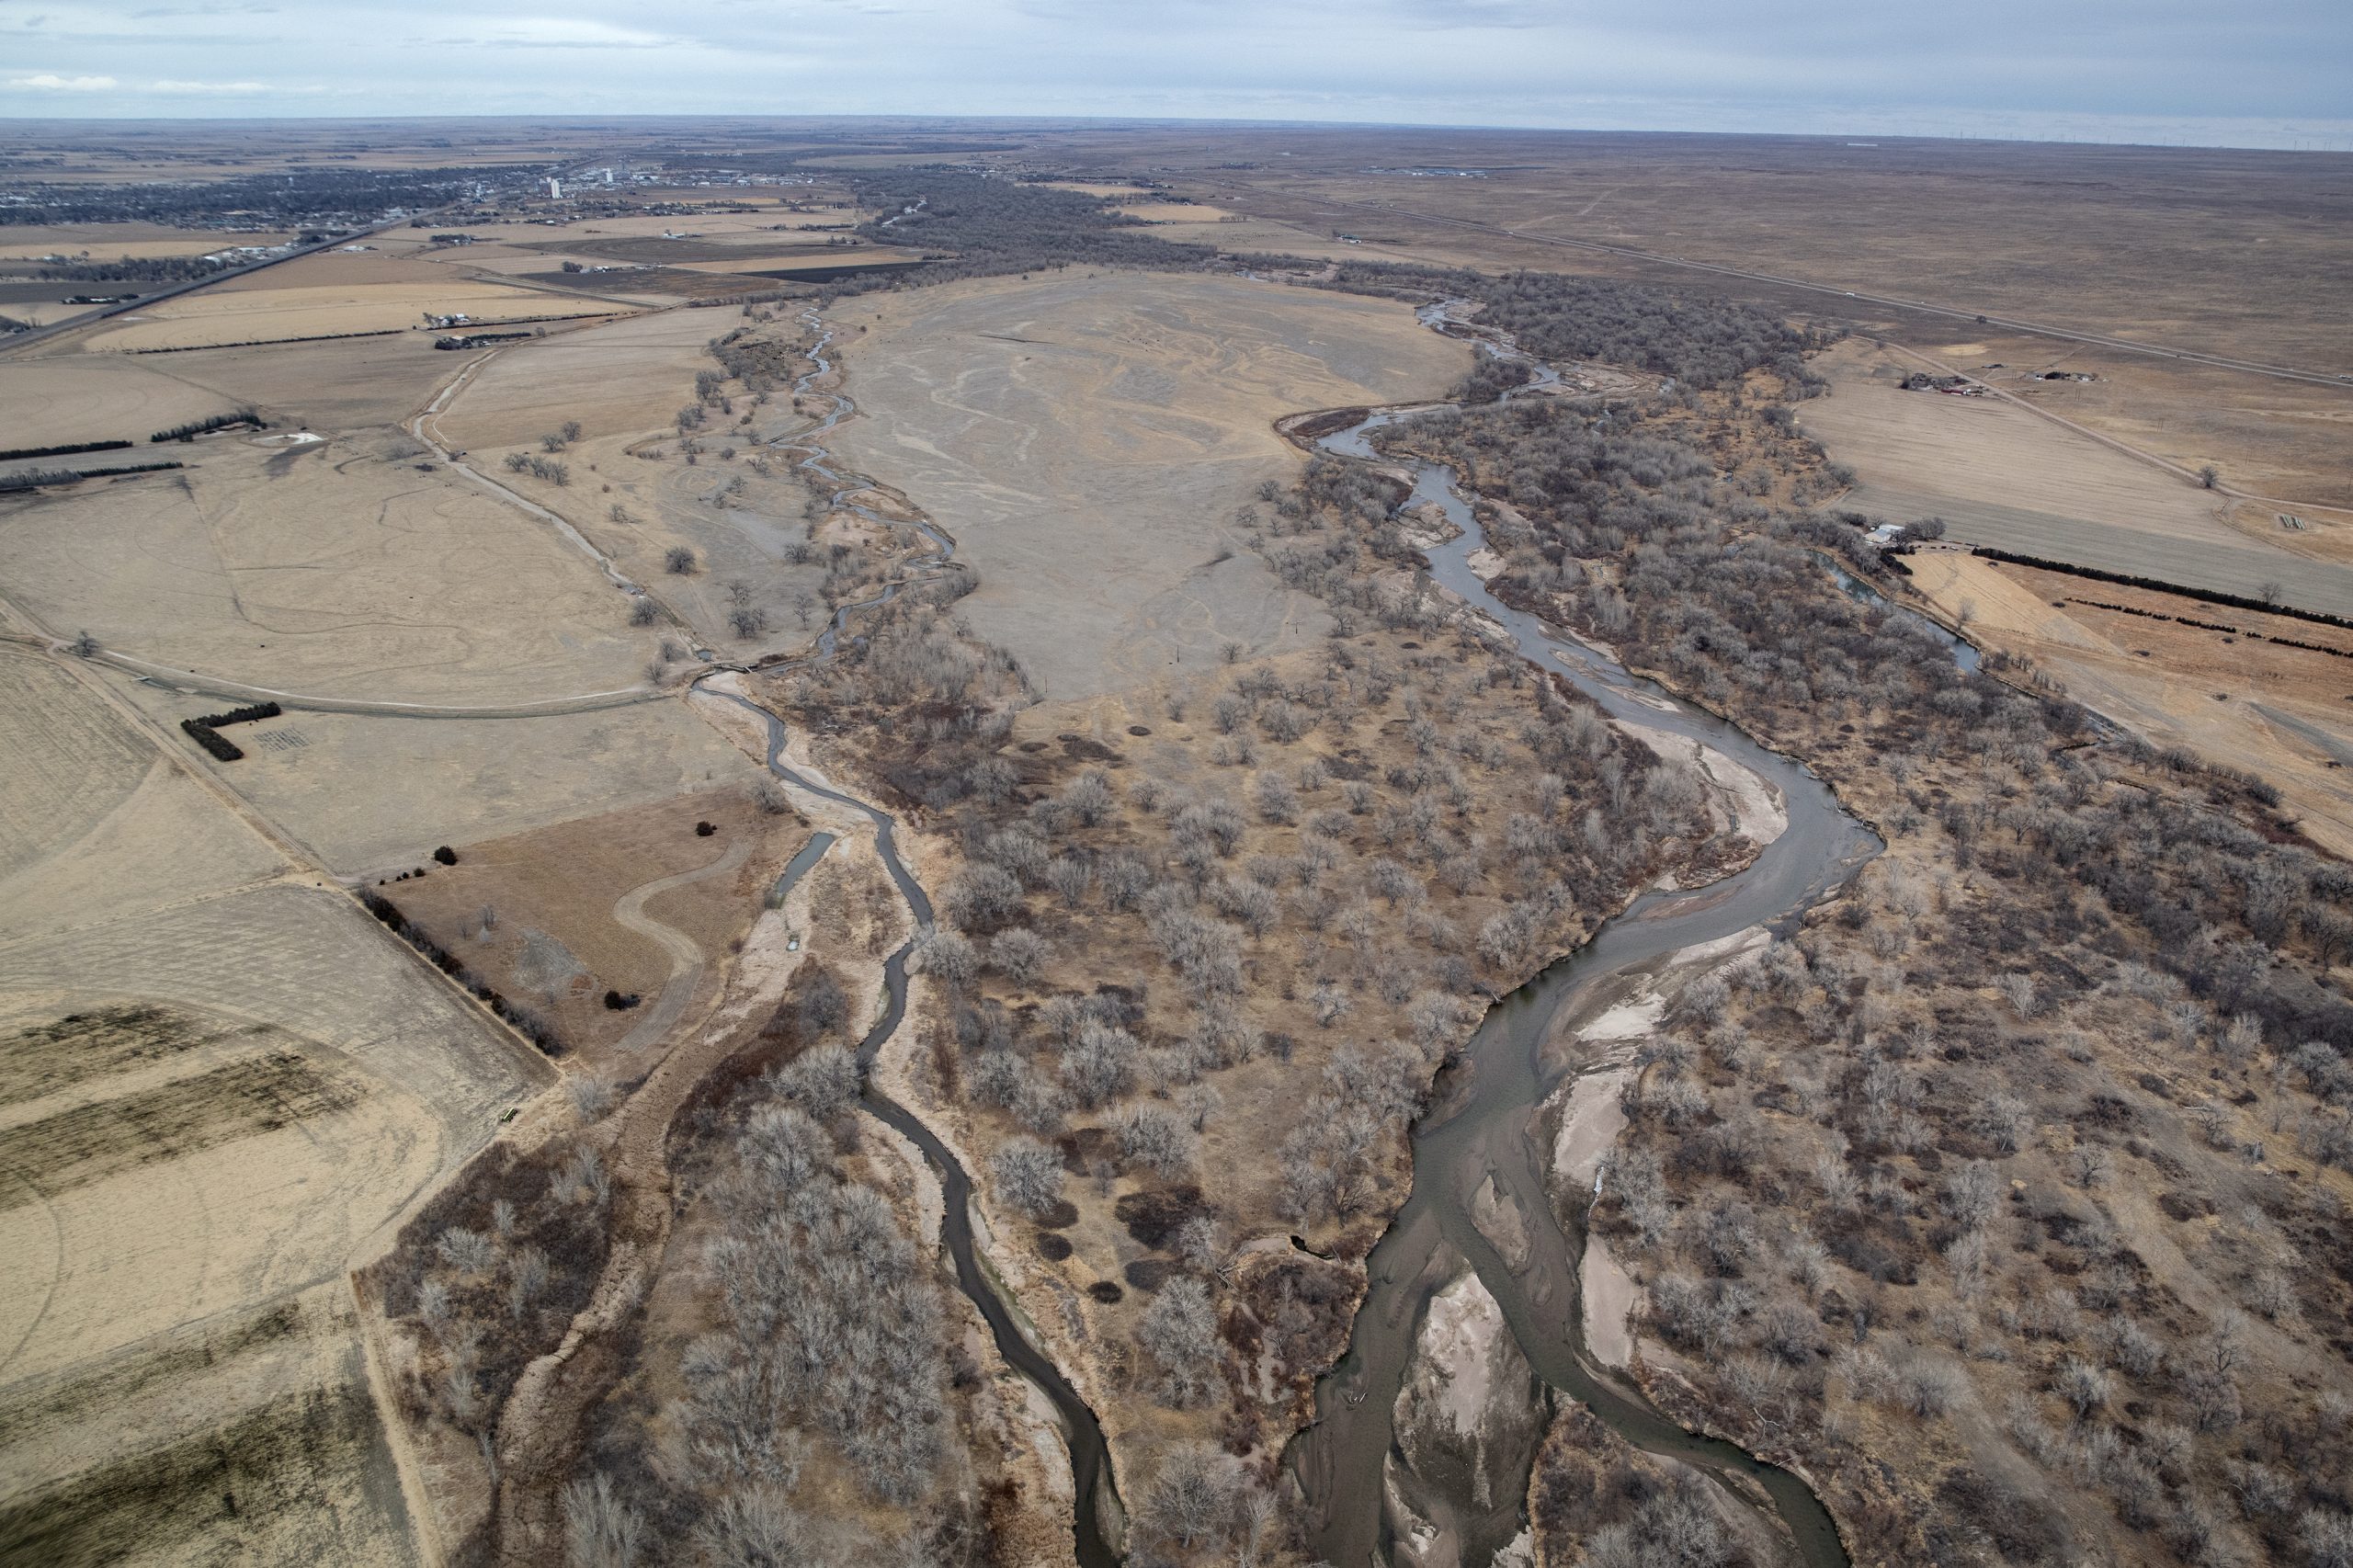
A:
(318, 297)
(2233, 698)
(55, 402)
(561, 882)
(1999, 475)
(425, 590)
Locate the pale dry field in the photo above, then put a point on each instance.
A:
(110, 241)
(331, 570)
(344, 385)
(2002, 476)
(94, 823)
(2268, 436)
(371, 795)
(41, 313)
(625, 378)
(2285, 713)
(270, 311)
(216, 1086)
(54, 402)
(1087, 439)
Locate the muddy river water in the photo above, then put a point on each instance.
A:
(1483, 1127)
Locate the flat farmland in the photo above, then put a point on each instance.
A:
(369, 794)
(94, 823)
(2281, 438)
(215, 1087)
(270, 309)
(55, 402)
(110, 242)
(345, 385)
(2000, 476)
(70, 761)
(622, 378)
(2232, 697)
(2232, 251)
(555, 940)
(335, 569)
(197, 1130)
(1088, 438)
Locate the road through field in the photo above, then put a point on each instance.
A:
(686, 955)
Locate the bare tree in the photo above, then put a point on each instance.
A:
(599, 1530)
(1089, 798)
(1153, 1137)
(678, 561)
(1028, 1174)
(1017, 954)
(1179, 1334)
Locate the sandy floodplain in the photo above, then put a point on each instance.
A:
(1087, 439)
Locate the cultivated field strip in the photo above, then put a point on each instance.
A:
(70, 761)
(247, 1438)
(309, 962)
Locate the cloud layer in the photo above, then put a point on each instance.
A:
(2264, 71)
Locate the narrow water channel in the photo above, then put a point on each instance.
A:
(1096, 1510)
(1482, 1126)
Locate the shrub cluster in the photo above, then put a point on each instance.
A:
(67, 451)
(195, 427)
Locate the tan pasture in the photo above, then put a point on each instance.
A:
(2232, 698)
(621, 378)
(334, 569)
(349, 385)
(258, 1081)
(335, 269)
(263, 314)
(109, 242)
(52, 402)
(371, 795)
(42, 313)
(1088, 438)
(2001, 475)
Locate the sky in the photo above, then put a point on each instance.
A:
(2253, 73)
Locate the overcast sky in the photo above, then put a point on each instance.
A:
(2270, 73)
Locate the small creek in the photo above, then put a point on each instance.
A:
(1483, 1123)
(1097, 1509)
